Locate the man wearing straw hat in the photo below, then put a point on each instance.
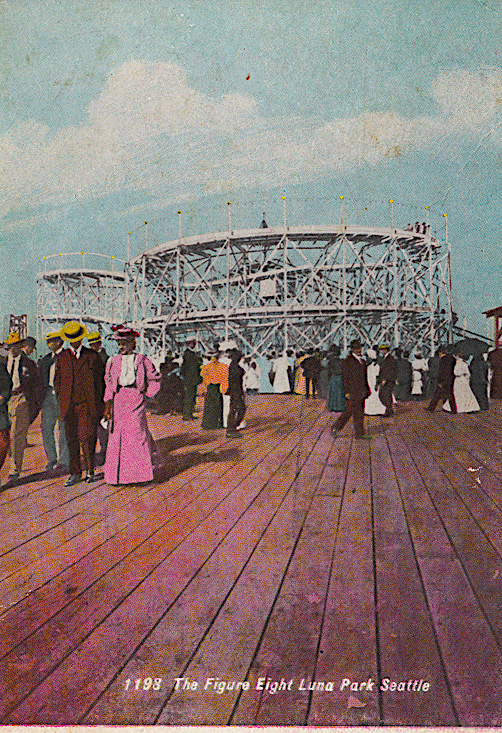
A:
(26, 399)
(79, 384)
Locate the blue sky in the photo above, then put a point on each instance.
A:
(114, 112)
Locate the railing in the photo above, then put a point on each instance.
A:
(81, 261)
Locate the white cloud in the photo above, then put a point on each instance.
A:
(151, 130)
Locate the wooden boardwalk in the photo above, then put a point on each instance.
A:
(282, 556)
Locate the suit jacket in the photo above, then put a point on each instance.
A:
(190, 368)
(5, 392)
(88, 370)
(388, 370)
(355, 378)
(445, 371)
(31, 385)
(44, 365)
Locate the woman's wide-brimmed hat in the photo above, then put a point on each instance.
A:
(14, 338)
(73, 331)
(124, 333)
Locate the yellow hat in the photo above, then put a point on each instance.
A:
(73, 331)
(93, 337)
(14, 338)
(52, 335)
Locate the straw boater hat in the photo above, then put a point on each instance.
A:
(52, 335)
(14, 338)
(94, 337)
(124, 333)
(73, 331)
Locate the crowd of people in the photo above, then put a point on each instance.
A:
(85, 397)
(455, 379)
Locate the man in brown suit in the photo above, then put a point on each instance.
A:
(79, 387)
(355, 382)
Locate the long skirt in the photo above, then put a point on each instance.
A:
(212, 419)
(336, 401)
(131, 453)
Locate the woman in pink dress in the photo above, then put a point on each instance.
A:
(129, 379)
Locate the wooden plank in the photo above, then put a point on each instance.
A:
(407, 642)
(348, 638)
(456, 564)
(140, 570)
(191, 490)
(224, 645)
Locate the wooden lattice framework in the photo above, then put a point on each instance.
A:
(294, 286)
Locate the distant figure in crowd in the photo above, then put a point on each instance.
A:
(282, 374)
(5, 393)
(420, 367)
(25, 401)
(79, 387)
(50, 407)
(444, 389)
(387, 379)
(215, 377)
(251, 376)
(225, 357)
(171, 396)
(355, 381)
(311, 370)
(336, 392)
(465, 401)
(236, 392)
(433, 374)
(324, 376)
(479, 380)
(190, 374)
(299, 375)
(95, 343)
(402, 390)
(495, 361)
(130, 378)
(373, 404)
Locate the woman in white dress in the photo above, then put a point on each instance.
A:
(280, 368)
(464, 396)
(372, 404)
(419, 367)
(251, 381)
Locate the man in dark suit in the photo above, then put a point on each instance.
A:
(312, 368)
(50, 407)
(190, 373)
(387, 379)
(94, 341)
(444, 389)
(236, 392)
(25, 401)
(79, 386)
(355, 382)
